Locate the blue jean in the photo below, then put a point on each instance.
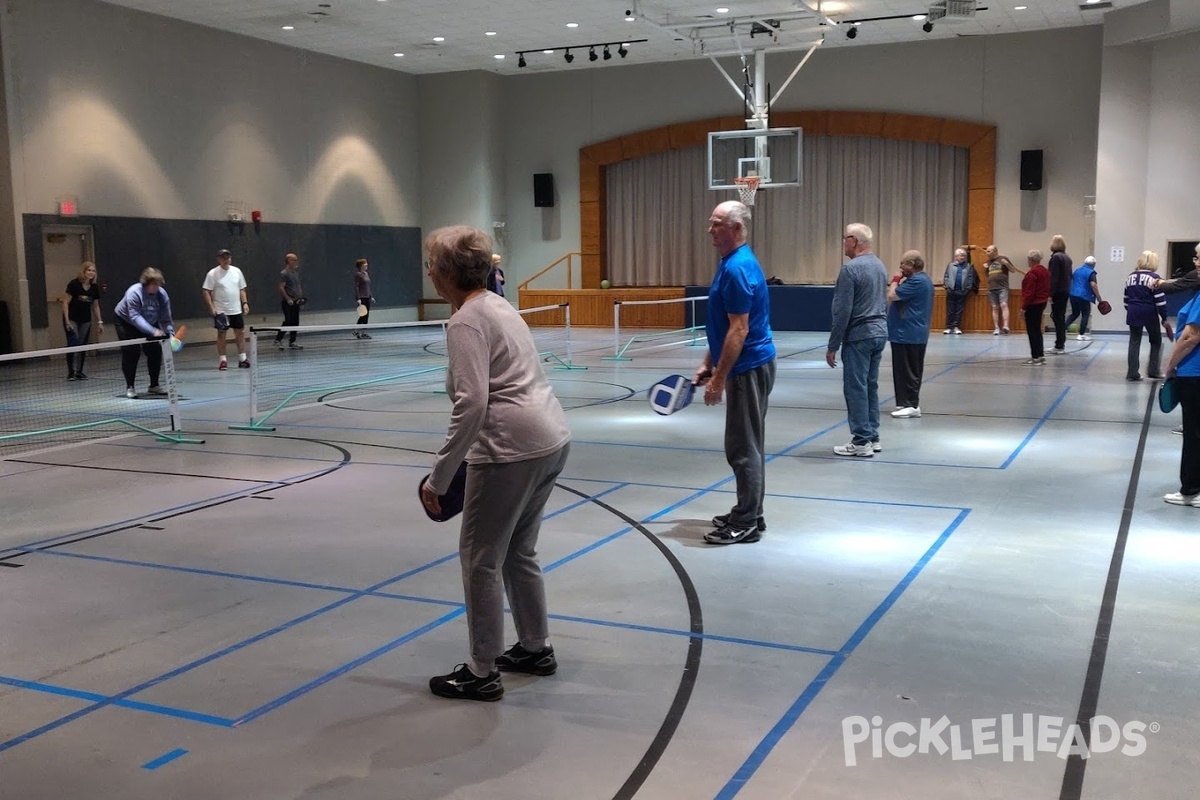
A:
(860, 385)
(1080, 310)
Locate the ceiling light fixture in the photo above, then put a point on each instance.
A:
(852, 31)
(572, 24)
(927, 27)
(439, 38)
(1020, 8)
(918, 17)
(289, 27)
(629, 15)
(489, 33)
(593, 55)
(521, 60)
(722, 10)
(398, 55)
(499, 56)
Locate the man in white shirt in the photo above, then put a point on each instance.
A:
(225, 294)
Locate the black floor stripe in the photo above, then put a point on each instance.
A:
(1072, 784)
(691, 667)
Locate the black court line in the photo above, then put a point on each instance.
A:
(157, 472)
(346, 458)
(1072, 783)
(691, 668)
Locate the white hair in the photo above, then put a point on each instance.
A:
(860, 232)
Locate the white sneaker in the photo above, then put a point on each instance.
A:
(131, 394)
(1177, 499)
(906, 413)
(852, 449)
(957, 332)
(1083, 337)
(946, 331)
(995, 332)
(876, 447)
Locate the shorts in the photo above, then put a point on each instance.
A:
(224, 322)
(995, 296)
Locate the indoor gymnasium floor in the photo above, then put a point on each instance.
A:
(257, 616)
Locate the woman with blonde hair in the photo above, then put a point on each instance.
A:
(81, 310)
(1145, 307)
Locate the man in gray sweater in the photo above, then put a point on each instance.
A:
(860, 330)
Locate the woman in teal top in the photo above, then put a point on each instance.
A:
(1184, 367)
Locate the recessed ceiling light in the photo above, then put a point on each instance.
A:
(397, 55)
(1091, 2)
(499, 56)
(439, 38)
(630, 18)
(548, 51)
(722, 10)
(289, 27)
(1020, 8)
(918, 17)
(489, 33)
(572, 24)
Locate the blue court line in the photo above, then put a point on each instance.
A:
(688, 634)
(347, 667)
(1088, 365)
(188, 667)
(801, 704)
(93, 697)
(1036, 428)
(165, 758)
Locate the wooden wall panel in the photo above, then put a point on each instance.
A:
(981, 205)
(981, 171)
(689, 134)
(589, 180)
(977, 317)
(861, 123)
(963, 134)
(645, 143)
(913, 128)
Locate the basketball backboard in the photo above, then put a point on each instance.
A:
(772, 154)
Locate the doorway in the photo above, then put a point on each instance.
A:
(64, 249)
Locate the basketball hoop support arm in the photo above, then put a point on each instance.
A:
(760, 102)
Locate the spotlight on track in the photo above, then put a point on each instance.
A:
(621, 51)
(927, 27)
(592, 54)
(520, 59)
(851, 32)
(607, 54)
(569, 56)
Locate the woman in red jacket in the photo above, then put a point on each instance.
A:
(1035, 293)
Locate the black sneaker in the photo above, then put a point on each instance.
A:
(244, 364)
(518, 659)
(278, 344)
(157, 390)
(731, 534)
(364, 336)
(294, 346)
(721, 520)
(462, 684)
(79, 376)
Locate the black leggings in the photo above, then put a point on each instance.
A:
(1033, 328)
(366, 301)
(132, 354)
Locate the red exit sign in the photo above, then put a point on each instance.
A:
(68, 208)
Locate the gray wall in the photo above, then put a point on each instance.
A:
(143, 116)
(1041, 89)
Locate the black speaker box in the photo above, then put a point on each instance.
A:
(1031, 170)
(543, 190)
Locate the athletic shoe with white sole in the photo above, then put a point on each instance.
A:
(1180, 499)
(858, 450)
(733, 534)
(908, 412)
(721, 520)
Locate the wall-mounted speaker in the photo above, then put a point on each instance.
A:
(1031, 170)
(543, 189)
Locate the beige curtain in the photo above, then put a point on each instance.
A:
(912, 194)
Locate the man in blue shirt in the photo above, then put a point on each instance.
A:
(911, 306)
(859, 323)
(740, 363)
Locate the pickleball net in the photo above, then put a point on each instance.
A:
(332, 363)
(41, 409)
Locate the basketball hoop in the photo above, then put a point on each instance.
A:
(747, 187)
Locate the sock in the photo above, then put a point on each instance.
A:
(476, 670)
(223, 359)
(534, 645)
(241, 356)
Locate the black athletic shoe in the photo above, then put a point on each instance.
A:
(721, 520)
(157, 390)
(462, 684)
(731, 534)
(518, 659)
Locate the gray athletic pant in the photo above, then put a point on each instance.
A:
(502, 515)
(745, 440)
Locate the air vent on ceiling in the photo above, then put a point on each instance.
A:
(1094, 6)
(951, 10)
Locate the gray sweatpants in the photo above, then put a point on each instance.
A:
(502, 515)
(745, 440)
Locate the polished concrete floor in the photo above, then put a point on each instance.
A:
(257, 616)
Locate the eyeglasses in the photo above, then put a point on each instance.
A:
(849, 236)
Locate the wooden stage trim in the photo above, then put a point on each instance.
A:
(593, 308)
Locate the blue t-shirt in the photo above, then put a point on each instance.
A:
(740, 288)
(1081, 283)
(908, 316)
(1189, 315)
